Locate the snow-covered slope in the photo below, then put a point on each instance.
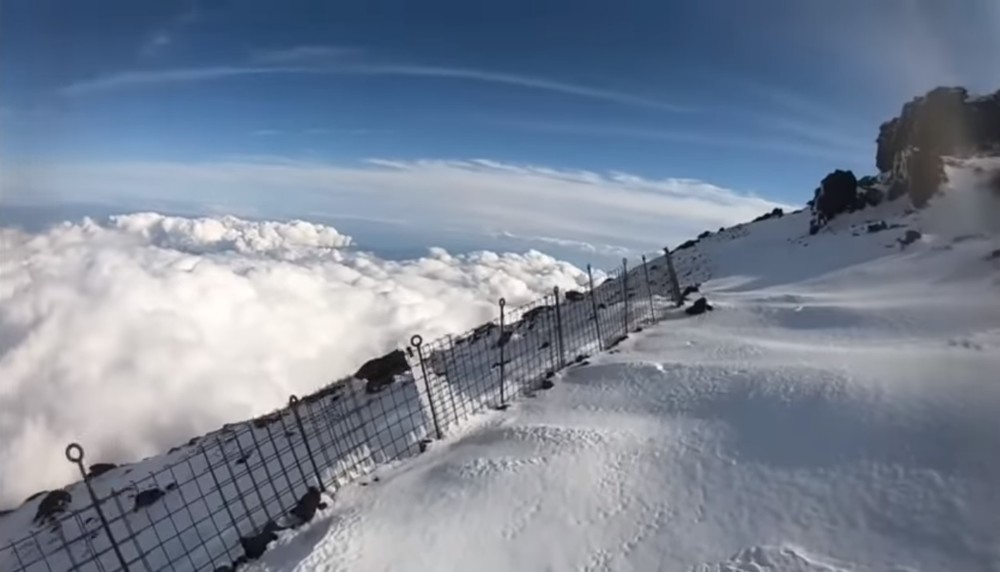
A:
(838, 411)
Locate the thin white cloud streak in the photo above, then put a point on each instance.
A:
(818, 147)
(186, 75)
(301, 54)
(472, 195)
(135, 334)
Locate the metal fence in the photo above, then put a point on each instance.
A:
(217, 502)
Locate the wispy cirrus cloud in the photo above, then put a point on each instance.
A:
(299, 54)
(471, 195)
(778, 142)
(281, 62)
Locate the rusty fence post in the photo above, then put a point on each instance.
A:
(74, 454)
(417, 341)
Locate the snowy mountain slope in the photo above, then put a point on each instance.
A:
(836, 412)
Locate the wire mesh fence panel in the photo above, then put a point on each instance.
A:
(218, 500)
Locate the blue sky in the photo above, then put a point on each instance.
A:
(688, 114)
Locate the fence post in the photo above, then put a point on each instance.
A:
(417, 341)
(502, 342)
(593, 304)
(675, 287)
(649, 290)
(293, 403)
(625, 292)
(559, 329)
(74, 454)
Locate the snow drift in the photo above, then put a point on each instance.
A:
(133, 334)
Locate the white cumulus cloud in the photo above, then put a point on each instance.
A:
(132, 334)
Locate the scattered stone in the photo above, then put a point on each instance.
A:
(910, 237)
(700, 306)
(877, 227)
(255, 546)
(574, 296)
(147, 498)
(381, 372)
(305, 509)
(98, 469)
(837, 193)
(54, 503)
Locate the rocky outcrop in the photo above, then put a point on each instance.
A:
(944, 122)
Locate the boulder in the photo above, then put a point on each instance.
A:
(925, 173)
(381, 372)
(574, 296)
(700, 306)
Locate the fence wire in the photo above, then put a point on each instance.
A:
(216, 502)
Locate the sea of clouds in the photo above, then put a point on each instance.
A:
(134, 333)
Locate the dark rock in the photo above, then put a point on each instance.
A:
(246, 457)
(910, 237)
(53, 503)
(705, 234)
(547, 384)
(98, 469)
(877, 227)
(690, 290)
(255, 546)
(504, 339)
(686, 244)
(581, 358)
(147, 498)
(995, 255)
(896, 189)
(265, 420)
(873, 197)
(305, 509)
(867, 182)
(34, 496)
(700, 306)
(838, 193)
(171, 486)
(543, 346)
(381, 372)
(924, 175)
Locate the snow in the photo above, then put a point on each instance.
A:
(836, 412)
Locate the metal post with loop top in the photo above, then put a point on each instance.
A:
(625, 293)
(502, 343)
(417, 341)
(559, 328)
(293, 404)
(675, 286)
(649, 290)
(593, 304)
(74, 454)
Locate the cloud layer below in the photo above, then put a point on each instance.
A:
(133, 334)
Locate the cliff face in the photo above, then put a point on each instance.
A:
(945, 121)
